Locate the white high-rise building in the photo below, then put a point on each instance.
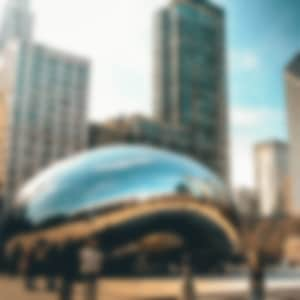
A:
(293, 105)
(271, 162)
(46, 92)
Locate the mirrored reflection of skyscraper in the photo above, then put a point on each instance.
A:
(46, 92)
(190, 76)
(293, 104)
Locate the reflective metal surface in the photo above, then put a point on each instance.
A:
(113, 175)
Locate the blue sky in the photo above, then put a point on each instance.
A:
(263, 35)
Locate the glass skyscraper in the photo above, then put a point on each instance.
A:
(46, 92)
(17, 21)
(190, 76)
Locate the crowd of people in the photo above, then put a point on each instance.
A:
(62, 264)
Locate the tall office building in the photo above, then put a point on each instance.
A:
(18, 21)
(293, 104)
(271, 162)
(46, 92)
(190, 76)
(3, 141)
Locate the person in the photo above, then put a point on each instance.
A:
(257, 265)
(52, 262)
(15, 260)
(28, 268)
(40, 257)
(188, 292)
(68, 269)
(91, 262)
(33, 264)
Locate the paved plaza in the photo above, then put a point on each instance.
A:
(163, 289)
(12, 289)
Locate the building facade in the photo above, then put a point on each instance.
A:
(190, 76)
(4, 131)
(246, 202)
(3, 141)
(271, 162)
(47, 94)
(293, 104)
(17, 21)
(140, 130)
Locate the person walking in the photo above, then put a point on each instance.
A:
(33, 264)
(91, 262)
(68, 264)
(15, 260)
(51, 267)
(188, 289)
(28, 268)
(257, 276)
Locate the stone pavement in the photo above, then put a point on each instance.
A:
(164, 289)
(13, 289)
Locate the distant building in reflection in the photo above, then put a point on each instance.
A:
(46, 92)
(271, 163)
(141, 130)
(293, 103)
(190, 79)
(246, 202)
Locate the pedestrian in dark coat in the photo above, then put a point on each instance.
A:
(52, 265)
(28, 267)
(15, 260)
(69, 269)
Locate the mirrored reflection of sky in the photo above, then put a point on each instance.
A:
(116, 35)
(115, 174)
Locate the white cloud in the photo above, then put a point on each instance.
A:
(116, 35)
(244, 60)
(248, 127)
(253, 117)
(243, 166)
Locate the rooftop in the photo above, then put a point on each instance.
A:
(192, 1)
(271, 144)
(215, 8)
(294, 66)
(21, 4)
